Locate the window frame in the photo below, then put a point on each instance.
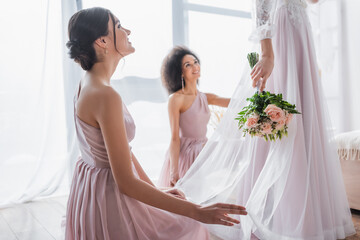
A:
(180, 15)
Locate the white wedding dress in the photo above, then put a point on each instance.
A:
(293, 188)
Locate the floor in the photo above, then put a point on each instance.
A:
(38, 220)
(41, 220)
(356, 221)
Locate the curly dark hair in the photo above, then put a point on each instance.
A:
(171, 69)
(85, 26)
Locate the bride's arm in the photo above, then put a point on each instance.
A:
(263, 19)
(263, 69)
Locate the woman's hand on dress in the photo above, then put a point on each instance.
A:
(174, 177)
(218, 213)
(176, 193)
(261, 71)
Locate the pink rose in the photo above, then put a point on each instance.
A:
(266, 128)
(252, 121)
(280, 125)
(288, 118)
(275, 113)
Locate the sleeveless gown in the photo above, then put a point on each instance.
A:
(192, 130)
(292, 188)
(98, 210)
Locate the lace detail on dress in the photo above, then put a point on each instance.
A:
(294, 8)
(263, 11)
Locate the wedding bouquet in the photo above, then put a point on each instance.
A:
(267, 114)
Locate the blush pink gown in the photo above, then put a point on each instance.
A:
(192, 129)
(98, 210)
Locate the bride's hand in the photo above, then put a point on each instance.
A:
(218, 213)
(261, 71)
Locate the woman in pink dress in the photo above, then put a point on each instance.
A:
(189, 113)
(111, 197)
(292, 188)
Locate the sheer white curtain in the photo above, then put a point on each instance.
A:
(34, 145)
(325, 21)
(334, 25)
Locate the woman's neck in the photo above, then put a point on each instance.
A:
(190, 88)
(104, 70)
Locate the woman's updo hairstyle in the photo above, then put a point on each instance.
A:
(171, 69)
(84, 28)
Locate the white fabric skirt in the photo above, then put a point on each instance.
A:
(292, 188)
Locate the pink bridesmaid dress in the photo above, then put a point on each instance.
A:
(192, 130)
(98, 210)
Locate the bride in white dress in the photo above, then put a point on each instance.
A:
(293, 188)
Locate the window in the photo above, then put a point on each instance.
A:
(218, 32)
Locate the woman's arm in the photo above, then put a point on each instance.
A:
(262, 70)
(263, 17)
(174, 118)
(216, 100)
(143, 176)
(140, 170)
(110, 118)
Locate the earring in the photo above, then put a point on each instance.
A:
(182, 84)
(106, 51)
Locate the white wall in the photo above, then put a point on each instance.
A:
(350, 39)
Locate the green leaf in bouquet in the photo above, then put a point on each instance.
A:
(272, 137)
(265, 137)
(253, 58)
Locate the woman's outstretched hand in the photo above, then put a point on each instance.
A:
(261, 72)
(218, 213)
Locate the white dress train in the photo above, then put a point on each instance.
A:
(293, 188)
